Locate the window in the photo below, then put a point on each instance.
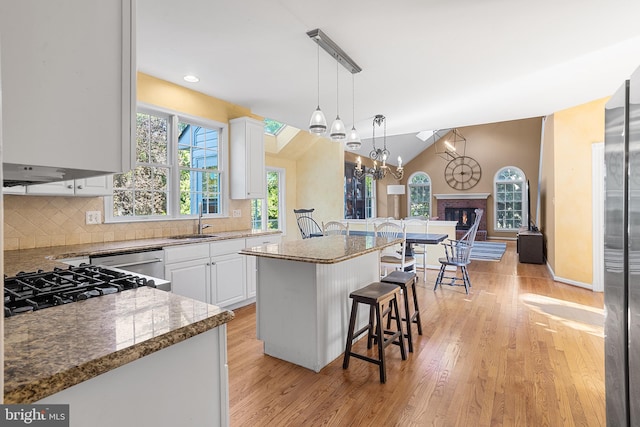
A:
(419, 195)
(369, 197)
(274, 207)
(144, 191)
(272, 127)
(510, 201)
(199, 176)
(179, 169)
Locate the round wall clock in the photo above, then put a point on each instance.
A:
(462, 173)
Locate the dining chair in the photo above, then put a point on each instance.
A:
(306, 224)
(394, 257)
(332, 228)
(458, 255)
(418, 224)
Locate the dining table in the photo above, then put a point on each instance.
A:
(411, 238)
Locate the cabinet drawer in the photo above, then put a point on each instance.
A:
(186, 252)
(226, 247)
(263, 240)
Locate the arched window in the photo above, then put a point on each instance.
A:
(510, 202)
(419, 199)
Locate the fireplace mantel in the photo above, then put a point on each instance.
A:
(462, 196)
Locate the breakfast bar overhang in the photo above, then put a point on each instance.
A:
(302, 294)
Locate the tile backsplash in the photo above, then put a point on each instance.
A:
(43, 221)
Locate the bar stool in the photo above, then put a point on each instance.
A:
(404, 280)
(375, 295)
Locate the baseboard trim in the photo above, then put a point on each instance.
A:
(568, 281)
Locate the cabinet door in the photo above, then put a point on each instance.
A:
(69, 62)
(247, 158)
(17, 189)
(255, 160)
(189, 278)
(62, 188)
(95, 186)
(228, 279)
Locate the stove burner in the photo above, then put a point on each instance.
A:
(38, 290)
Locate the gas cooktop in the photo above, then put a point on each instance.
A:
(38, 290)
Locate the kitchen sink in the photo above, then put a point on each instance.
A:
(192, 236)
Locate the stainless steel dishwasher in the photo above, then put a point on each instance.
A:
(147, 263)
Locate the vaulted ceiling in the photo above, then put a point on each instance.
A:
(426, 64)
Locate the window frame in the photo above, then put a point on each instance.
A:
(524, 207)
(281, 201)
(173, 203)
(413, 175)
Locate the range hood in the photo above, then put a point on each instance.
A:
(14, 174)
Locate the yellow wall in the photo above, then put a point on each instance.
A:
(547, 222)
(574, 131)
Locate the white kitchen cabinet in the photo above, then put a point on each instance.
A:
(94, 186)
(251, 260)
(188, 269)
(228, 283)
(68, 87)
(228, 279)
(247, 158)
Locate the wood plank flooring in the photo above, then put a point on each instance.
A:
(519, 350)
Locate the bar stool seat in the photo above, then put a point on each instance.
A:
(404, 280)
(375, 295)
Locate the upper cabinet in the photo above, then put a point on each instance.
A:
(68, 87)
(247, 158)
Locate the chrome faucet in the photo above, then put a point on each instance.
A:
(201, 226)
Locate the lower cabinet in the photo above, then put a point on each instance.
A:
(228, 279)
(187, 267)
(189, 278)
(214, 272)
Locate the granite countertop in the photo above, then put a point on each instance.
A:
(48, 258)
(49, 350)
(322, 250)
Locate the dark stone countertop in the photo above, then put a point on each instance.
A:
(47, 351)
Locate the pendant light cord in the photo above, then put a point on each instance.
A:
(337, 92)
(318, 75)
(353, 100)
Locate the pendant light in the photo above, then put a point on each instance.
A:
(338, 131)
(318, 123)
(353, 141)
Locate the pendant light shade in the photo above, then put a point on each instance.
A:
(318, 123)
(338, 130)
(353, 141)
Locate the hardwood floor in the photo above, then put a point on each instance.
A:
(520, 349)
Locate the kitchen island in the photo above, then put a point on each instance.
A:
(137, 357)
(302, 295)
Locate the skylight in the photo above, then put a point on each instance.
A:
(273, 127)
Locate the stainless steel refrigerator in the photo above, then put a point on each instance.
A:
(622, 254)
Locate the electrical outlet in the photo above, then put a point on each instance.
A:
(93, 217)
(237, 213)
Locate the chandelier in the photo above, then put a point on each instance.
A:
(379, 154)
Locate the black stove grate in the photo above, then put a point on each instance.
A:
(38, 290)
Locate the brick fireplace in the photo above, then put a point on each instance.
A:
(456, 207)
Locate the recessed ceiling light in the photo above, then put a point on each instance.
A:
(191, 78)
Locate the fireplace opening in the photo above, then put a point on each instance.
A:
(463, 216)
